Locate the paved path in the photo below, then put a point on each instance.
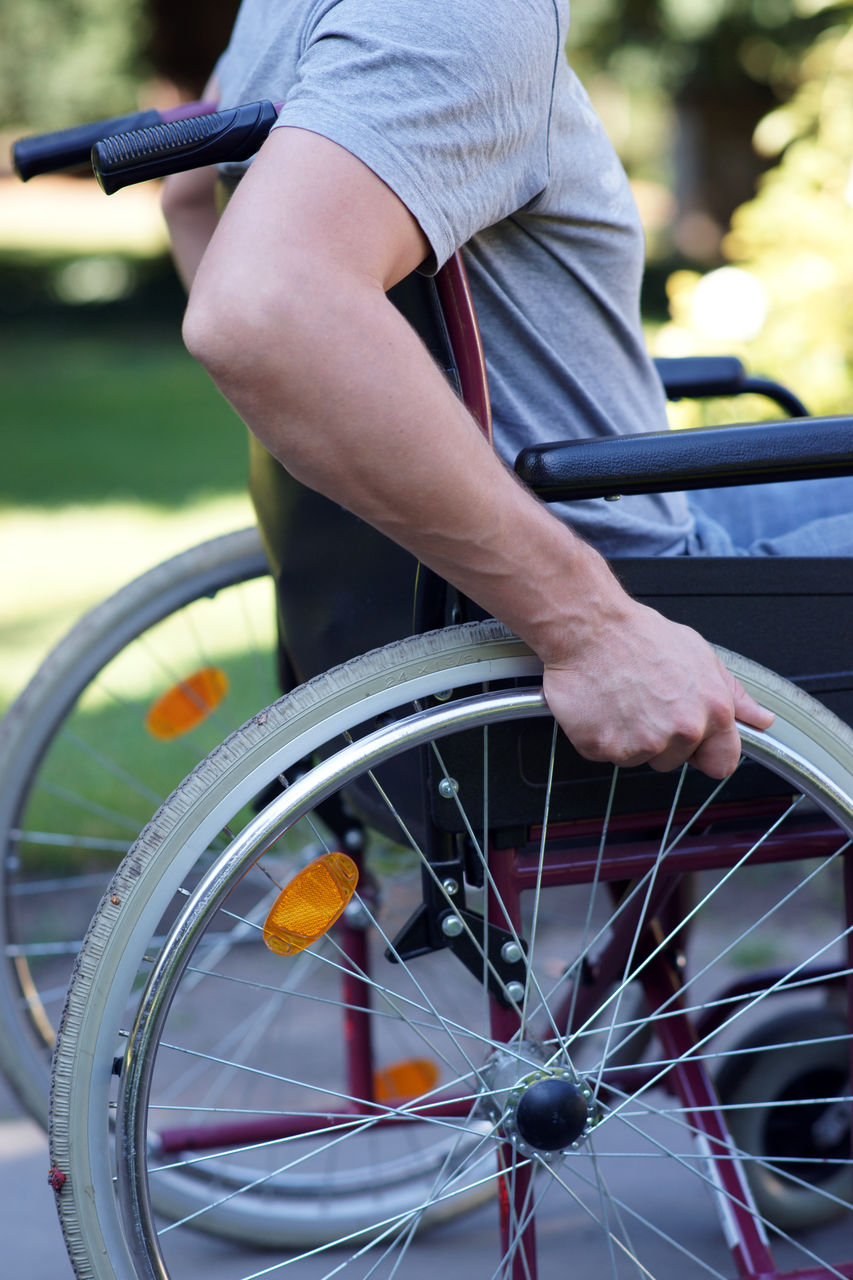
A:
(30, 1239)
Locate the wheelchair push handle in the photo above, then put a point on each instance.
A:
(173, 147)
(72, 148)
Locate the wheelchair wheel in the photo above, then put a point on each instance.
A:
(460, 1027)
(786, 1096)
(82, 766)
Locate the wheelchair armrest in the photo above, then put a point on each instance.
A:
(696, 377)
(693, 377)
(704, 458)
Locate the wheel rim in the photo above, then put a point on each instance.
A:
(514, 1156)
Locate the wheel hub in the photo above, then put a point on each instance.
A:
(548, 1111)
(551, 1114)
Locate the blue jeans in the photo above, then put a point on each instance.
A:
(797, 518)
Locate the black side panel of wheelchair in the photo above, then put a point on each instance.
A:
(794, 616)
(519, 755)
(341, 587)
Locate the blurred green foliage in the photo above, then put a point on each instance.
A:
(681, 86)
(65, 61)
(720, 42)
(796, 236)
(790, 244)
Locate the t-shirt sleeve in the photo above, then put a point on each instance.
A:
(447, 102)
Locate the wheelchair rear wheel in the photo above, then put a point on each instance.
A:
(522, 1006)
(82, 765)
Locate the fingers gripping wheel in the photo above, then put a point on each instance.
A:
(355, 1111)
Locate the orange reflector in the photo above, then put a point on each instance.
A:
(186, 704)
(310, 904)
(405, 1080)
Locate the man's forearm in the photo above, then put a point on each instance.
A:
(188, 201)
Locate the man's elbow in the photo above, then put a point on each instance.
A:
(244, 330)
(220, 330)
(254, 346)
(199, 326)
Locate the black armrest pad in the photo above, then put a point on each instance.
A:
(696, 376)
(713, 457)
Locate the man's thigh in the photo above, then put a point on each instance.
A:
(797, 518)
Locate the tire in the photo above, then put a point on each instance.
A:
(171, 1015)
(80, 775)
(793, 1062)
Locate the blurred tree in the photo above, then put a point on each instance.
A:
(795, 237)
(186, 38)
(720, 66)
(785, 302)
(73, 60)
(68, 60)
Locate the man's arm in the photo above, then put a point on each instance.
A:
(288, 313)
(188, 201)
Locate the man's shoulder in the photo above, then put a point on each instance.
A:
(452, 21)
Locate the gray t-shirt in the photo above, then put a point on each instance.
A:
(469, 111)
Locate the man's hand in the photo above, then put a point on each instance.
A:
(645, 690)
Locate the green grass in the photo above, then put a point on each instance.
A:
(91, 418)
(104, 775)
(117, 452)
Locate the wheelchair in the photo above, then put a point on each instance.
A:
(394, 979)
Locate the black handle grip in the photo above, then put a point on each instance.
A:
(70, 148)
(235, 134)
